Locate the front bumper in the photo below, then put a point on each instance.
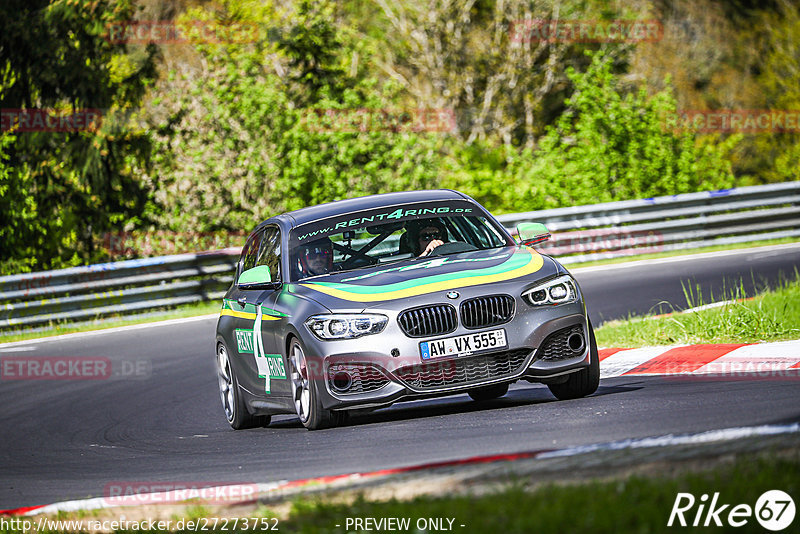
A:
(387, 367)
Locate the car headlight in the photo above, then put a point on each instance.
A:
(558, 291)
(346, 325)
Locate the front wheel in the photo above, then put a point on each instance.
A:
(304, 392)
(583, 382)
(232, 401)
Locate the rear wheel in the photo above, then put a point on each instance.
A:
(232, 400)
(489, 392)
(304, 392)
(583, 382)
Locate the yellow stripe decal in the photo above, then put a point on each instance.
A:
(247, 315)
(534, 264)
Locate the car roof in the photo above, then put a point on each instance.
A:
(337, 207)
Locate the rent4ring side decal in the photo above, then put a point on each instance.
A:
(270, 366)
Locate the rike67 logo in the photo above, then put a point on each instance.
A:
(774, 510)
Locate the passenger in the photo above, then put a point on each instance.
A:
(426, 235)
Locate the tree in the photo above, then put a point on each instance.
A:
(614, 144)
(271, 127)
(64, 188)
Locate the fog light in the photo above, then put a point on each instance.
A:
(341, 381)
(575, 342)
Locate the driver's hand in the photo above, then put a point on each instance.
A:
(432, 245)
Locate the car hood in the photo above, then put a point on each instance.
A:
(427, 275)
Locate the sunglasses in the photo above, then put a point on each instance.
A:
(318, 253)
(429, 236)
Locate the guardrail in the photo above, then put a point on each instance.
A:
(579, 234)
(686, 221)
(123, 287)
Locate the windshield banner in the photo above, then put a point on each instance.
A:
(383, 216)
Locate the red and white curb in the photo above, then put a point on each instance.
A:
(273, 489)
(779, 359)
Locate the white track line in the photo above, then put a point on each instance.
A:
(78, 335)
(725, 434)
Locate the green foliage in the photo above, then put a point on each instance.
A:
(243, 142)
(611, 144)
(17, 213)
(323, 106)
(64, 189)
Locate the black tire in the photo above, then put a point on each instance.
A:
(231, 396)
(489, 392)
(304, 392)
(583, 382)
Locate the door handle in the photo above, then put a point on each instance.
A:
(242, 301)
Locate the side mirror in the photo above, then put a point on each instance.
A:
(532, 233)
(257, 277)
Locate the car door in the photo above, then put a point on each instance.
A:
(257, 344)
(239, 312)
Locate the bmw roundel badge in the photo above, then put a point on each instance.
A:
(453, 295)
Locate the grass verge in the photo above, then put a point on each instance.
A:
(639, 503)
(636, 504)
(179, 312)
(771, 316)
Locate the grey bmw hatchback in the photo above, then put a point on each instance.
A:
(361, 303)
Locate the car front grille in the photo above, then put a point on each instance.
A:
(555, 346)
(428, 320)
(363, 377)
(487, 311)
(465, 370)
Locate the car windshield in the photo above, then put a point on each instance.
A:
(356, 240)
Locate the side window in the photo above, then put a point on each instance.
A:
(250, 252)
(270, 253)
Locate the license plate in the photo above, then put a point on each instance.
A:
(463, 345)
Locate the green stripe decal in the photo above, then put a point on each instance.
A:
(523, 262)
(249, 311)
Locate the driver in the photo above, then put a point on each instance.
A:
(315, 258)
(427, 234)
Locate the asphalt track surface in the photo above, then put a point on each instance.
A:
(64, 440)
